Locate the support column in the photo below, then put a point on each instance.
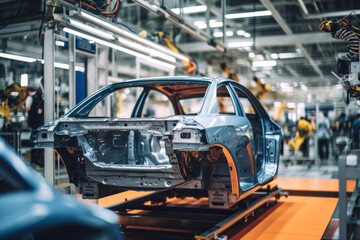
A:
(72, 63)
(138, 69)
(113, 64)
(207, 17)
(223, 11)
(317, 112)
(49, 79)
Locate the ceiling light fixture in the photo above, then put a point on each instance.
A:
(290, 55)
(59, 43)
(28, 59)
(131, 36)
(251, 54)
(17, 57)
(61, 65)
(268, 63)
(220, 34)
(92, 30)
(274, 56)
(247, 35)
(239, 44)
(152, 52)
(240, 32)
(286, 55)
(212, 23)
(192, 9)
(248, 14)
(66, 66)
(119, 48)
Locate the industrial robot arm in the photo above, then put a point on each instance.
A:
(190, 66)
(12, 98)
(304, 129)
(349, 67)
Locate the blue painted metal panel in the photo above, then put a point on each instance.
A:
(80, 86)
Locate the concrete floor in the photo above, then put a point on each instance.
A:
(303, 171)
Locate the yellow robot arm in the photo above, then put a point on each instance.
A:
(13, 91)
(190, 66)
(303, 132)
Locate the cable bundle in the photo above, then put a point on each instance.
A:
(99, 7)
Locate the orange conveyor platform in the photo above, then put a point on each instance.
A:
(296, 217)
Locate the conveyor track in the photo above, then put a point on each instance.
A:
(156, 213)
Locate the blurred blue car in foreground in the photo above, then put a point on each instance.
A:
(31, 209)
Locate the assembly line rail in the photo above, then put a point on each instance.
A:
(152, 211)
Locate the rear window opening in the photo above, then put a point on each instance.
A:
(147, 101)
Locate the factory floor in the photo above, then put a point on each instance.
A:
(295, 217)
(323, 171)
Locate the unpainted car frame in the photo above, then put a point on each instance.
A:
(228, 155)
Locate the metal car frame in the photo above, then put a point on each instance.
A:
(228, 155)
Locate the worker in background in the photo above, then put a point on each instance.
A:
(35, 108)
(355, 132)
(323, 134)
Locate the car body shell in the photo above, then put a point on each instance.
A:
(228, 155)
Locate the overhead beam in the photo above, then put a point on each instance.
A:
(291, 71)
(276, 15)
(20, 29)
(280, 63)
(303, 7)
(309, 58)
(31, 50)
(265, 41)
(217, 12)
(331, 14)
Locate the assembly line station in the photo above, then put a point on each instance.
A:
(203, 119)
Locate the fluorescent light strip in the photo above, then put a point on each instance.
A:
(152, 52)
(269, 63)
(92, 30)
(247, 35)
(119, 48)
(212, 23)
(220, 34)
(66, 66)
(28, 59)
(239, 44)
(192, 9)
(134, 37)
(286, 55)
(60, 43)
(248, 14)
(240, 32)
(17, 57)
(61, 65)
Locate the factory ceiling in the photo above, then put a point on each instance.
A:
(281, 44)
(284, 33)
